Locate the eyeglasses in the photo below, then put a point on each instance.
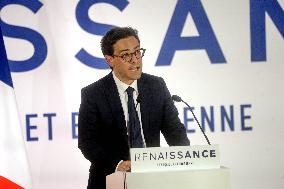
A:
(127, 57)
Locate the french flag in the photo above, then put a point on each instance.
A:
(14, 167)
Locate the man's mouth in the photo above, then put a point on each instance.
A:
(134, 68)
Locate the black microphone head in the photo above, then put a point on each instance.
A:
(138, 100)
(176, 98)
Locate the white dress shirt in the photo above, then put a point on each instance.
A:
(121, 87)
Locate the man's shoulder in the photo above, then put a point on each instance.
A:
(152, 81)
(151, 78)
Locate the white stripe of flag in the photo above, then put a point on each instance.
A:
(14, 167)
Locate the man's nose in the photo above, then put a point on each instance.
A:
(133, 59)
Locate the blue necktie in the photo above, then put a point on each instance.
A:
(136, 140)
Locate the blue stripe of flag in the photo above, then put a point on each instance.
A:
(5, 75)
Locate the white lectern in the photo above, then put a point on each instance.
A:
(193, 179)
(213, 177)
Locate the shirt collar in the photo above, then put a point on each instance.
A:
(122, 86)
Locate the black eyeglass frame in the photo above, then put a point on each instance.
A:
(141, 50)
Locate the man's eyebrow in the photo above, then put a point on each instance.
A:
(123, 50)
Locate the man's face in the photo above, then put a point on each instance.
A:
(126, 69)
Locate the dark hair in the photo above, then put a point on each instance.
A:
(115, 34)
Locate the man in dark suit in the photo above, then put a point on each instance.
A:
(105, 109)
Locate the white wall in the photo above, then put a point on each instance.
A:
(256, 156)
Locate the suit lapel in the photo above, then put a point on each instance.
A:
(114, 102)
(145, 96)
(116, 107)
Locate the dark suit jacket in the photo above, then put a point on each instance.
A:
(102, 129)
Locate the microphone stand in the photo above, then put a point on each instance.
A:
(179, 99)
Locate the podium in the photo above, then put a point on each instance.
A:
(192, 179)
(192, 176)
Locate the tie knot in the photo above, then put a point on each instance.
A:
(129, 91)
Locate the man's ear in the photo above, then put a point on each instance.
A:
(109, 60)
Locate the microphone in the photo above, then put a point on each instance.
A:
(179, 99)
(138, 101)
